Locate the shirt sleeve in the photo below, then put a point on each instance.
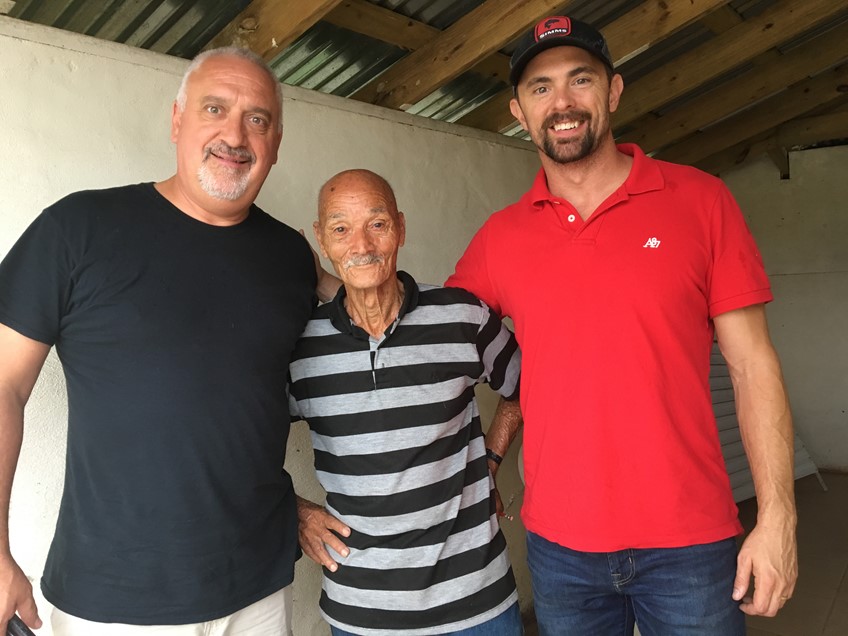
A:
(35, 281)
(737, 275)
(472, 272)
(294, 410)
(499, 352)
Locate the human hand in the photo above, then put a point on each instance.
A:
(16, 595)
(16, 627)
(328, 283)
(500, 508)
(315, 532)
(770, 555)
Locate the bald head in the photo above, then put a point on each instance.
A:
(359, 228)
(356, 182)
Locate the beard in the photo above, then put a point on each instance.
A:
(223, 182)
(571, 150)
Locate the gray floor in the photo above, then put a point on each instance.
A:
(819, 606)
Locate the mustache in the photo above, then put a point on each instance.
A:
(223, 149)
(569, 115)
(363, 259)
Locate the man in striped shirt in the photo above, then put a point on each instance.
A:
(385, 374)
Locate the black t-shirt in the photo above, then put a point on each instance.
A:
(175, 338)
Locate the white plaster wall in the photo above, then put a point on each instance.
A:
(80, 113)
(801, 226)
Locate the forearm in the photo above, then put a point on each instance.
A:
(505, 425)
(765, 422)
(11, 434)
(762, 409)
(21, 360)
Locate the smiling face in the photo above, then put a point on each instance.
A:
(360, 229)
(227, 136)
(564, 100)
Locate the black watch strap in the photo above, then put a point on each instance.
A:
(490, 454)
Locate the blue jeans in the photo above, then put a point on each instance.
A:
(666, 591)
(507, 623)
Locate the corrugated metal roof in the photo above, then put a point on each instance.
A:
(437, 13)
(175, 27)
(331, 59)
(326, 58)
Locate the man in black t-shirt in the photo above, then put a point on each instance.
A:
(174, 308)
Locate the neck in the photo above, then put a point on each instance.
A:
(588, 182)
(223, 214)
(375, 309)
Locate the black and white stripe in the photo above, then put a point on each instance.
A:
(399, 450)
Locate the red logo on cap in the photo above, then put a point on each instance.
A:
(557, 26)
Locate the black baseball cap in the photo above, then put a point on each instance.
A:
(556, 30)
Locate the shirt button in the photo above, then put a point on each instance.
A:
(571, 218)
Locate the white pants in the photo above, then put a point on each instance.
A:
(270, 616)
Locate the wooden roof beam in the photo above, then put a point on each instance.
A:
(267, 27)
(797, 132)
(718, 21)
(828, 87)
(779, 72)
(722, 54)
(812, 130)
(469, 40)
(366, 18)
(739, 153)
(379, 23)
(779, 156)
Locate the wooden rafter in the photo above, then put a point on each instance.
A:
(718, 21)
(811, 130)
(469, 40)
(760, 82)
(794, 102)
(727, 51)
(739, 153)
(360, 16)
(797, 132)
(779, 156)
(266, 27)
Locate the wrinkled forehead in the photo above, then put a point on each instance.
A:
(347, 197)
(353, 207)
(234, 76)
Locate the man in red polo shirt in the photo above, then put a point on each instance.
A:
(617, 270)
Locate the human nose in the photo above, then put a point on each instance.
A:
(361, 241)
(232, 132)
(563, 98)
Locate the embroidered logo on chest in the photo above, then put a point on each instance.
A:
(652, 242)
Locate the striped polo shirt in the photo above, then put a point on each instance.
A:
(399, 450)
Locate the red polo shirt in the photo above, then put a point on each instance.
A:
(613, 316)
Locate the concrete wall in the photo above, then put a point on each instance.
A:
(80, 113)
(801, 226)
